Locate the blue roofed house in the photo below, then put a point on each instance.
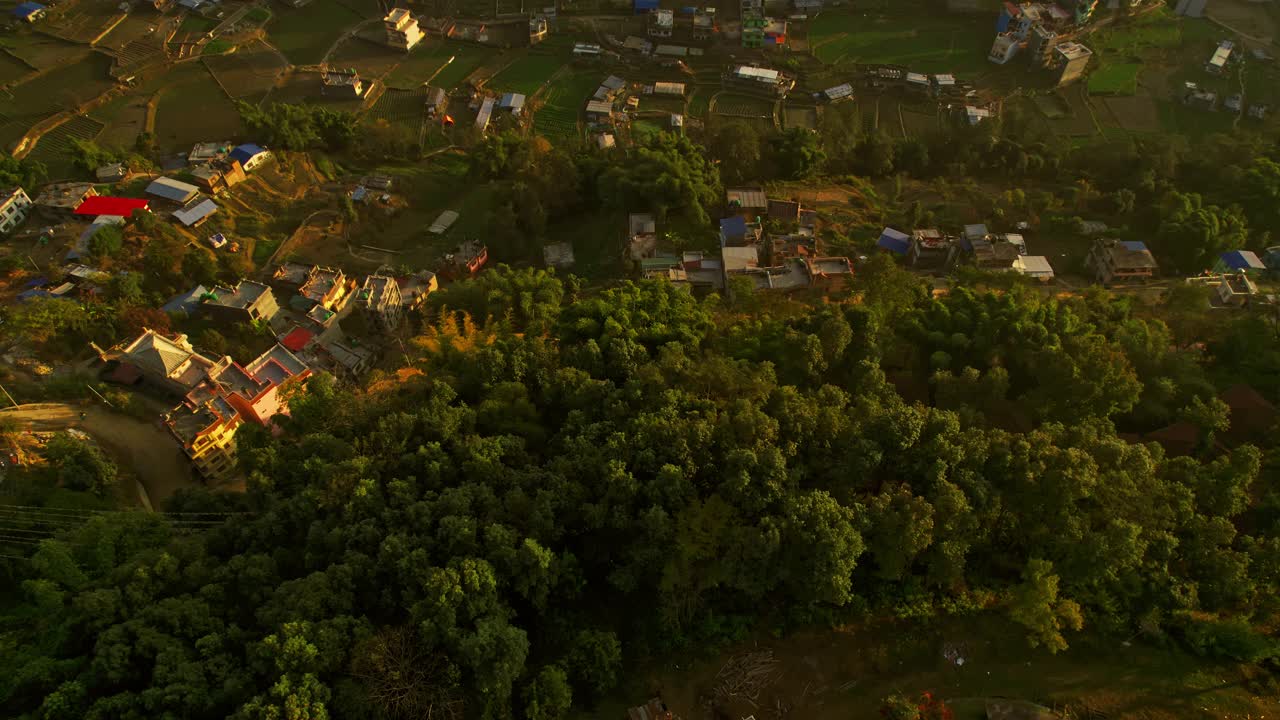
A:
(895, 241)
(644, 6)
(737, 232)
(512, 102)
(29, 11)
(250, 156)
(1245, 261)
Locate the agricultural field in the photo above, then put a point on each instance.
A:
(431, 65)
(401, 108)
(700, 101)
(54, 148)
(65, 87)
(11, 68)
(950, 43)
(1134, 114)
(742, 106)
(803, 117)
(192, 108)
(526, 75)
(370, 59)
(124, 118)
(251, 70)
(565, 98)
(662, 103)
(83, 21)
(304, 35)
(306, 87)
(41, 51)
(1115, 79)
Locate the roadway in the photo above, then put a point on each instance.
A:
(146, 449)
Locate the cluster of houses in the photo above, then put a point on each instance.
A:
(1041, 31)
(756, 29)
(213, 166)
(932, 249)
(789, 257)
(303, 305)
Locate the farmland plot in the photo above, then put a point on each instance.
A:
(305, 35)
(55, 147)
(528, 75)
(250, 71)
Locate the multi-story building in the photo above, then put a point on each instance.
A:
(342, 84)
(327, 287)
(14, 207)
(402, 29)
(229, 396)
(380, 298)
(661, 23)
(247, 302)
(60, 200)
(1072, 59)
(1116, 261)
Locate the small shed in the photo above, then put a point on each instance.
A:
(111, 172)
(1034, 266)
(512, 102)
(668, 88)
(1240, 261)
(195, 214)
(174, 190)
(29, 11)
(443, 223)
(895, 241)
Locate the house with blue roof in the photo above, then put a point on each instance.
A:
(250, 156)
(29, 11)
(1245, 261)
(894, 241)
(737, 232)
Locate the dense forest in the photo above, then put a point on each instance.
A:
(562, 484)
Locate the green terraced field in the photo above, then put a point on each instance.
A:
(527, 75)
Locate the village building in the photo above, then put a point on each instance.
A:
(204, 152)
(250, 156)
(991, 252)
(1121, 261)
(246, 303)
(558, 255)
(229, 396)
(341, 84)
(1071, 59)
(14, 208)
(172, 190)
(838, 93)
(196, 212)
(758, 78)
(381, 301)
(894, 241)
(218, 175)
(704, 23)
(661, 23)
(671, 89)
(1221, 55)
(512, 103)
(29, 11)
(402, 29)
(1241, 261)
(327, 287)
(468, 258)
(289, 278)
(484, 114)
(736, 231)
(443, 222)
(749, 202)
(111, 172)
(642, 231)
(1034, 266)
(60, 200)
(100, 205)
(930, 249)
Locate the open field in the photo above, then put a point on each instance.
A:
(64, 88)
(54, 148)
(526, 75)
(431, 65)
(11, 68)
(192, 108)
(948, 43)
(251, 70)
(401, 108)
(370, 59)
(743, 106)
(1115, 79)
(41, 51)
(305, 34)
(125, 118)
(1135, 114)
(844, 674)
(306, 87)
(81, 21)
(558, 117)
(804, 117)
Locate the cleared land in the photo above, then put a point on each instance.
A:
(526, 75)
(370, 59)
(11, 68)
(305, 35)
(192, 108)
(431, 64)
(252, 70)
(949, 43)
(54, 147)
(1117, 79)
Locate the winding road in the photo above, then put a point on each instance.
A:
(149, 451)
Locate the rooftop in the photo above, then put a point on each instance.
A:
(106, 205)
(293, 273)
(746, 198)
(245, 294)
(1073, 51)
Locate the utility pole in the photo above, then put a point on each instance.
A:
(6, 394)
(95, 392)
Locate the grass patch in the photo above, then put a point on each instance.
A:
(1156, 30)
(527, 75)
(192, 108)
(11, 68)
(305, 35)
(258, 15)
(928, 44)
(63, 88)
(54, 148)
(1115, 79)
(430, 64)
(217, 47)
(195, 24)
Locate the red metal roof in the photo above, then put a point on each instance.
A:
(297, 339)
(106, 205)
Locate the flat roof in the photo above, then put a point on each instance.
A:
(443, 222)
(107, 205)
(194, 214)
(759, 74)
(171, 189)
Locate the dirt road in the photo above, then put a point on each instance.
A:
(145, 448)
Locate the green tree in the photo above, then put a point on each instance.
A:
(797, 153)
(1037, 606)
(736, 145)
(548, 696)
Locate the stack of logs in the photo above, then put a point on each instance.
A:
(746, 674)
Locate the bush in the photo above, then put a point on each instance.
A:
(1232, 639)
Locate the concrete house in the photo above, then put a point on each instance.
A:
(60, 200)
(402, 29)
(250, 156)
(14, 208)
(341, 84)
(245, 303)
(381, 302)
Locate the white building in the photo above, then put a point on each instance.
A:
(1003, 49)
(14, 207)
(402, 29)
(1218, 62)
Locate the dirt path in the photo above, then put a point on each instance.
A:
(150, 452)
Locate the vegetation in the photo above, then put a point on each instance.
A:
(299, 127)
(574, 481)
